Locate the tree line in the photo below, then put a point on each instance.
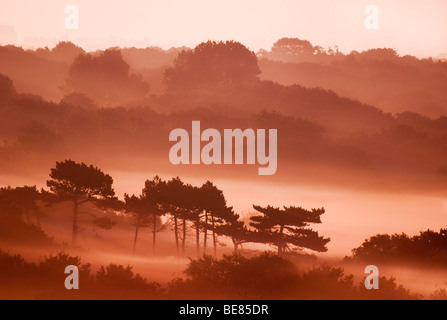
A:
(204, 210)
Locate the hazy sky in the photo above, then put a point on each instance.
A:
(409, 26)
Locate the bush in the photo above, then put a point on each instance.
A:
(269, 276)
(119, 282)
(263, 275)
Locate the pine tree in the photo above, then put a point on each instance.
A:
(288, 228)
(79, 183)
(154, 197)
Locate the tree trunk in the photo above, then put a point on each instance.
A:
(198, 235)
(154, 230)
(214, 235)
(74, 234)
(235, 245)
(184, 237)
(136, 236)
(177, 246)
(280, 244)
(206, 232)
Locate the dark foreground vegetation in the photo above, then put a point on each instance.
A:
(264, 276)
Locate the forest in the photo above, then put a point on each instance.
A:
(101, 97)
(73, 123)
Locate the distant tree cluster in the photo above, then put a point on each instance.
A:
(64, 51)
(150, 58)
(203, 209)
(219, 82)
(212, 65)
(426, 248)
(105, 78)
(297, 50)
(378, 76)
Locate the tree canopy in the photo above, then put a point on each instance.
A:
(78, 180)
(105, 78)
(287, 228)
(427, 247)
(79, 183)
(212, 64)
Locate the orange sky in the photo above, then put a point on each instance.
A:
(410, 27)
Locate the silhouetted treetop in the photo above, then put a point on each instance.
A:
(378, 54)
(212, 199)
(64, 51)
(212, 64)
(427, 247)
(20, 216)
(295, 216)
(293, 46)
(18, 202)
(297, 50)
(73, 179)
(151, 57)
(287, 227)
(155, 192)
(105, 78)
